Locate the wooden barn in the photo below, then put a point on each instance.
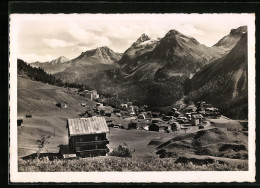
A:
(19, 121)
(158, 127)
(87, 136)
(133, 124)
(154, 127)
(88, 96)
(62, 105)
(175, 126)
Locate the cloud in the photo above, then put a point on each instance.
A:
(71, 34)
(190, 30)
(32, 57)
(89, 38)
(56, 43)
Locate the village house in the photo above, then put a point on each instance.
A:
(92, 95)
(28, 115)
(19, 121)
(95, 94)
(190, 109)
(105, 112)
(143, 124)
(175, 126)
(119, 126)
(133, 124)
(167, 118)
(159, 127)
(123, 105)
(129, 103)
(116, 110)
(87, 136)
(88, 96)
(213, 112)
(196, 119)
(141, 116)
(131, 110)
(156, 120)
(99, 105)
(155, 114)
(83, 104)
(110, 122)
(154, 127)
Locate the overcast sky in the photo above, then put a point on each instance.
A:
(45, 37)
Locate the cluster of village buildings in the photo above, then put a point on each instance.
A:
(134, 117)
(87, 133)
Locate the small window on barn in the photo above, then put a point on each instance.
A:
(96, 138)
(80, 139)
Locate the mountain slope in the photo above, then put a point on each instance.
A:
(89, 64)
(34, 96)
(52, 66)
(173, 55)
(101, 55)
(59, 60)
(232, 38)
(142, 45)
(224, 82)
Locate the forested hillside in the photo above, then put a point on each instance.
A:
(38, 74)
(224, 82)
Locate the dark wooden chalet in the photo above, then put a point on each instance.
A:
(87, 136)
(158, 127)
(175, 126)
(28, 115)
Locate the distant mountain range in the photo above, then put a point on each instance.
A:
(101, 55)
(162, 64)
(173, 55)
(59, 60)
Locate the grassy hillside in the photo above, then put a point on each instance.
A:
(104, 164)
(40, 101)
(35, 96)
(211, 142)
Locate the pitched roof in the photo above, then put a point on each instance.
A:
(197, 116)
(160, 124)
(82, 126)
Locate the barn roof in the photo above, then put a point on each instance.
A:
(82, 126)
